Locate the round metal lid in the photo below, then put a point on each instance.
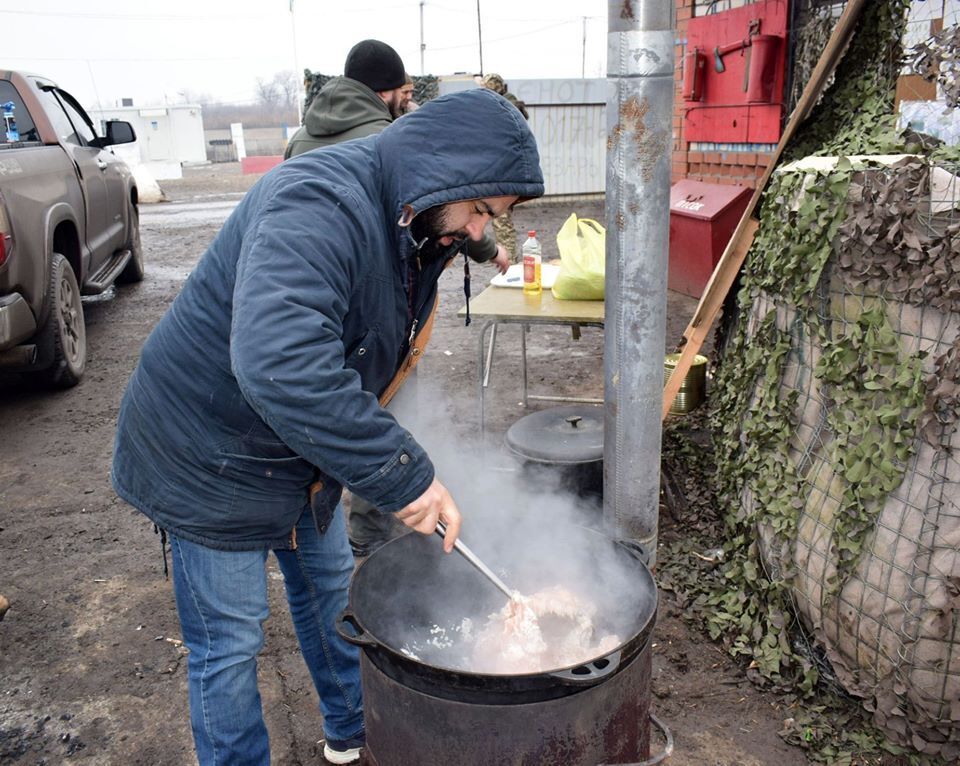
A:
(562, 435)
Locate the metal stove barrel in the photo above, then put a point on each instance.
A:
(605, 723)
(422, 704)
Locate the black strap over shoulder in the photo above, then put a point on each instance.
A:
(466, 287)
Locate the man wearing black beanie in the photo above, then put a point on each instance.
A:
(364, 101)
(376, 65)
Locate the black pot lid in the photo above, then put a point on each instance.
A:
(562, 435)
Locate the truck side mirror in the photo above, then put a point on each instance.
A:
(117, 132)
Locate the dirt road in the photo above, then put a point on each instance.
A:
(91, 669)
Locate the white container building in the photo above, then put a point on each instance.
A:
(167, 136)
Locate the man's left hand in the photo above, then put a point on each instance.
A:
(501, 260)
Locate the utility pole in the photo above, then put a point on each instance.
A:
(93, 81)
(480, 36)
(583, 61)
(423, 45)
(298, 72)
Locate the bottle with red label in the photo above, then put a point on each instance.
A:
(532, 259)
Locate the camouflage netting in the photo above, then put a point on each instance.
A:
(425, 87)
(815, 22)
(837, 408)
(870, 383)
(938, 60)
(312, 83)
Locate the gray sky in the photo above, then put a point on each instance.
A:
(163, 52)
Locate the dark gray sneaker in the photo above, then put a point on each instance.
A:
(344, 750)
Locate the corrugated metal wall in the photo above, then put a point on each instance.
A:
(572, 144)
(568, 119)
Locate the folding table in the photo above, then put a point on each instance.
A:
(510, 305)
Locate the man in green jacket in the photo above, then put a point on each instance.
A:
(368, 97)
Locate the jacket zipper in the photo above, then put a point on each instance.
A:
(415, 310)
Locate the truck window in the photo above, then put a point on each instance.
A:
(69, 124)
(24, 125)
(81, 122)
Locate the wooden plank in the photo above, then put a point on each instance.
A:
(736, 251)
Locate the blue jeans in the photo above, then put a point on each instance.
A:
(222, 602)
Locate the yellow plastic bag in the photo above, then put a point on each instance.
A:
(582, 246)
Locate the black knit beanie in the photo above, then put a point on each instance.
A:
(376, 65)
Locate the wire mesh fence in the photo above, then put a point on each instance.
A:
(887, 629)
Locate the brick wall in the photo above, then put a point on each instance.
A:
(721, 166)
(730, 167)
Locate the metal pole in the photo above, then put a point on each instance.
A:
(93, 82)
(480, 37)
(583, 59)
(423, 45)
(640, 73)
(296, 67)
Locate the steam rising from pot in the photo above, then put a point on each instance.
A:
(533, 538)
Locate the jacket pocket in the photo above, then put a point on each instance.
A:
(357, 353)
(259, 461)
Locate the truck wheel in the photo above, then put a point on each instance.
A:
(133, 271)
(63, 337)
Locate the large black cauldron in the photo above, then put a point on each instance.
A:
(409, 598)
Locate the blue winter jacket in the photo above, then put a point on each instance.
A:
(263, 375)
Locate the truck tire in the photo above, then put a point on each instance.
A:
(63, 337)
(133, 271)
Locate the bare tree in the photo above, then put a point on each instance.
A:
(268, 94)
(281, 91)
(194, 97)
(291, 88)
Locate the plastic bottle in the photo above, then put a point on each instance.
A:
(11, 132)
(532, 259)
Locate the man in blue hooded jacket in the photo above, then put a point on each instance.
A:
(255, 400)
(362, 103)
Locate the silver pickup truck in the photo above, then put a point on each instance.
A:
(69, 225)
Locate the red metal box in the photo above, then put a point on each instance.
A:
(702, 219)
(734, 74)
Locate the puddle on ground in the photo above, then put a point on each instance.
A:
(180, 215)
(171, 273)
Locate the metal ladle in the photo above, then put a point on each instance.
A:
(471, 557)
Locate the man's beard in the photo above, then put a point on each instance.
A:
(428, 227)
(394, 105)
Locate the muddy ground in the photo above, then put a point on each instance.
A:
(91, 669)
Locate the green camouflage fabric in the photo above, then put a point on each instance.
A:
(506, 234)
(497, 84)
(503, 227)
